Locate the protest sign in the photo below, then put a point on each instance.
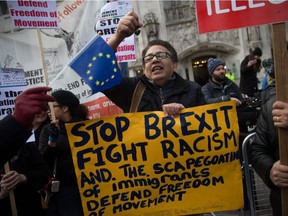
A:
(34, 14)
(217, 15)
(106, 26)
(12, 83)
(19, 49)
(148, 164)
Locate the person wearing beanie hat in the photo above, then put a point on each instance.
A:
(220, 89)
(249, 68)
(213, 63)
(54, 145)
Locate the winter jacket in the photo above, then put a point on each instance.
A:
(176, 90)
(65, 172)
(265, 148)
(65, 169)
(215, 92)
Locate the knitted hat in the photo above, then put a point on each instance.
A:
(213, 63)
(66, 98)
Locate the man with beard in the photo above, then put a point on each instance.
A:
(220, 88)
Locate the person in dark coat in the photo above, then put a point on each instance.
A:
(249, 68)
(164, 89)
(265, 147)
(220, 88)
(28, 175)
(27, 104)
(54, 145)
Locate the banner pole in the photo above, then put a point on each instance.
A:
(11, 193)
(281, 76)
(45, 71)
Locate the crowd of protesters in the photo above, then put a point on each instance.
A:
(161, 88)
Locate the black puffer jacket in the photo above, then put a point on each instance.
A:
(265, 148)
(177, 90)
(215, 92)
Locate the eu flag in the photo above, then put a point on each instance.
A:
(97, 65)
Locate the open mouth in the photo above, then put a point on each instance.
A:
(156, 68)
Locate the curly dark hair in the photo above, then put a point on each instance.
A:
(165, 44)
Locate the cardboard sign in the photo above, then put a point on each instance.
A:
(217, 15)
(148, 164)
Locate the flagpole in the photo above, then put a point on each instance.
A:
(45, 71)
(11, 192)
(281, 68)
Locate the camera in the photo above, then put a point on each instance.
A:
(55, 185)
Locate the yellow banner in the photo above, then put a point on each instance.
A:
(147, 164)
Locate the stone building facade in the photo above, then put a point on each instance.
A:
(176, 22)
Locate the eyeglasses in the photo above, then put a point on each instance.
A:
(158, 55)
(57, 105)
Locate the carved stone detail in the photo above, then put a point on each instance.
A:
(182, 35)
(151, 24)
(231, 37)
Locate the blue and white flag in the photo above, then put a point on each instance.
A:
(96, 64)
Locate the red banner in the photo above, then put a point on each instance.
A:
(217, 15)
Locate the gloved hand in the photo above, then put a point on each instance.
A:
(29, 103)
(53, 133)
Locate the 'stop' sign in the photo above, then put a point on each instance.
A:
(216, 15)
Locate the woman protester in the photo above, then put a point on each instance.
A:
(54, 145)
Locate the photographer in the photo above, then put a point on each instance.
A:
(249, 68)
